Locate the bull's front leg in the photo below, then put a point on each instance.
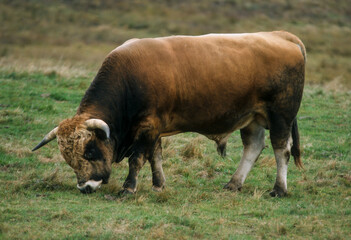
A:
(136, 162)
(158, 177)
(147, 147)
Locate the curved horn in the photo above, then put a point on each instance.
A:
(98, 124)
(49, 137)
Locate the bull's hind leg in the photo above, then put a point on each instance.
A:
(280, 134)
(253, 140)
(158, 177)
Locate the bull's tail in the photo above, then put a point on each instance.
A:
(295, 149)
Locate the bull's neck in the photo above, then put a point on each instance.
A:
(117, 97)
(118, 113)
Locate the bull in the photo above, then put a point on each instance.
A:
(213, 84)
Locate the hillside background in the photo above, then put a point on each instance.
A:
(72, 37)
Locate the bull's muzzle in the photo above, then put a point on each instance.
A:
(89, 186)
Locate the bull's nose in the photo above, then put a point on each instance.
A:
(86, 190)
(89, 186)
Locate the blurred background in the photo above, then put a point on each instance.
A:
(72, 37)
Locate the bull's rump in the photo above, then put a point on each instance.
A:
(212, 83)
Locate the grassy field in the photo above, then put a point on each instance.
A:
(50, 52)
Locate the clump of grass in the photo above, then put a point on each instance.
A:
(4, 228)
(63, 214)
(168, 149)
(267, 161)
(192, 150)
(184, 171)
(281, 230)
(346, 180)
(112, 187)
(203, 174)
(158, 232)
(257, 194)
(56, 158)
(49, 181)
(140, 199)
(332, 165)
(164, 196)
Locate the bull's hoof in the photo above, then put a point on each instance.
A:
(157, 189)
(278, 193)
(125, 191)
(233, 187)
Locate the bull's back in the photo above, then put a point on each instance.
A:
(198, 81)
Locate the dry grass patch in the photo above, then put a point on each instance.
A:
(333, 165)
(54, 159)
(164, 196)
(120, 227)
(158, 232)
(267, 161)
(203, 174)
(47, 181)
(257, 194)
(17, 150)
(192, 149)
(337, 84)
(63, 214)
(45, 66)
(183, 171)
(168, 151)
(113, 186)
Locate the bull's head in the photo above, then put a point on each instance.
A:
(87, 148)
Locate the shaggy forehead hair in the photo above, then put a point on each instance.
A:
(72, 137)
(69, 126)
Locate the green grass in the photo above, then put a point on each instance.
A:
(39, 199)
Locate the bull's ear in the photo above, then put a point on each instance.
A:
(98, 124)
(49, 137)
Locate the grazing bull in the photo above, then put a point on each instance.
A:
(213, 84)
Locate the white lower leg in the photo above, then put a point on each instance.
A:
(282, 158)
(282, 169)
(253, 140)
(247, 161)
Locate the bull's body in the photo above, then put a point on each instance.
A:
(212, 84)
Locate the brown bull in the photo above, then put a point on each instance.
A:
(213, 85)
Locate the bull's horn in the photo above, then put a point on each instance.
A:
(50, 136)
(98, 124)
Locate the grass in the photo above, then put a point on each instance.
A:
(39, 198)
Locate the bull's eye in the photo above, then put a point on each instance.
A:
(92, 152)
(88, 156)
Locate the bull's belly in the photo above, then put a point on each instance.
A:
(213, 126)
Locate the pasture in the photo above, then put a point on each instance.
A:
(49, 54)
